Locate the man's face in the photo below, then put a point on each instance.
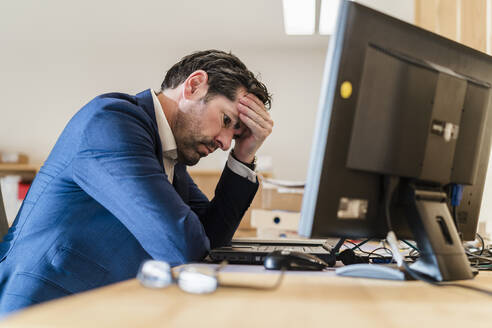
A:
(202, 127)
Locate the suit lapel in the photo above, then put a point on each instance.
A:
(180, 183)
(144, 100)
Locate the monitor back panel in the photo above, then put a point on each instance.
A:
(348, 202)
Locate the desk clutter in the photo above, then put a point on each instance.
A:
(191, 278)
(279, 214)
(372, 259)
(364, 259)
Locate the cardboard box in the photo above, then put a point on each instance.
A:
(283, 220)
(286, 199)
(207, 181)
(256, 203)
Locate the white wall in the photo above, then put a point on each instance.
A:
(56, 55)
(44, 85)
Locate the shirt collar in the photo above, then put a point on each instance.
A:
(169, 148)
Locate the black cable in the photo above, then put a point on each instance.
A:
(374, 250)
(357, 246)
(483, 243)
(483, 258)
(388, 250)
(363, 242)
(411, 246)
(413, 253)
(334, 250)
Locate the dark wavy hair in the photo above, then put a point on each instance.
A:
(226, 73)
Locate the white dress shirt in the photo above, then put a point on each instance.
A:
(170, 151)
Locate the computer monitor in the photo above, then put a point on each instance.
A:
(400, 106)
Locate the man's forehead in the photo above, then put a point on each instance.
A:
(231, 107)
(228, 106)
(240, 92)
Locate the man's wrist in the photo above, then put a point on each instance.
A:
(251, 165)
(241, 169)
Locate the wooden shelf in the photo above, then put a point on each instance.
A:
(25, 170)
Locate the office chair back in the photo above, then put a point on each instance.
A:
(4, 225)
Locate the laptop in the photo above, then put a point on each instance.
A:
(254, 251)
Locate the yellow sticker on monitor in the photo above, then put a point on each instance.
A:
(346, 90)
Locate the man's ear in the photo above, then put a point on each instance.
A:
(196, 85)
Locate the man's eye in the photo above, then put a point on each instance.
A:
(227, 120)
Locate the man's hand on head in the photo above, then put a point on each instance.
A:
(255, 117)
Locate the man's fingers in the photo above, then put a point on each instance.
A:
(256, 100)
(251, 106)
(251, 124)
(264, 123)
(256, 119)
(256, 129)
(256, 105)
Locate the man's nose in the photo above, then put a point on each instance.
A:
(224, 139)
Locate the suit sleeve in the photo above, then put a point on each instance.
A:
(221, 217)
(118, 167)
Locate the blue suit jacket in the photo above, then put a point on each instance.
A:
(102, 203)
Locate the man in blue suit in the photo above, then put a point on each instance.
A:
(115, 191)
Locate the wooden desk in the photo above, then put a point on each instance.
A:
(319, 300)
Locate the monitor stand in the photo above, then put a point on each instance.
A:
(442, 257)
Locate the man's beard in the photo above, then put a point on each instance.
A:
(188, 138)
